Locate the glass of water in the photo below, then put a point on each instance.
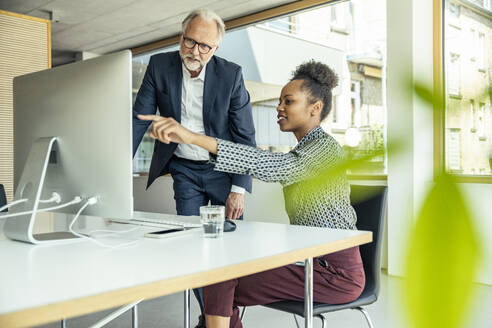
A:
(212, 218)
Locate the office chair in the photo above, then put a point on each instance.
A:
(370, 205)
(3, 198)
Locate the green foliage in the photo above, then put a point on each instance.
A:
(425, 93)
(442, 259)
(443, 253)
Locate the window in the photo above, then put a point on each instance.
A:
(310, 34)
(342, 14)
(268, 135)
(286, 24)
(467, 117)
(454, 150)
(481, 123)
(454, 74)
(481, 51)
(334, 109)
(143, 156)
(454, 11)
(355, 104)
(487, 4)
(338, 17)
(473, 44)
(473, 121)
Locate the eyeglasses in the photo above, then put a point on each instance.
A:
(202, 47)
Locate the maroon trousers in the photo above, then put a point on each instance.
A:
(337, 278)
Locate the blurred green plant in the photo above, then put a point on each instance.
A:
(442, 259)
(443, 253)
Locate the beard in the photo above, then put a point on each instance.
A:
(192, 65)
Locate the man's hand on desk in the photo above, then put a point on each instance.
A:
(234, 206)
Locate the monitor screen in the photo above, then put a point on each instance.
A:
(87, 106)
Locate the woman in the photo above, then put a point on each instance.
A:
(339, 277)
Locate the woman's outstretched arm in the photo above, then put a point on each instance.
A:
(167, 130)
(286, 168)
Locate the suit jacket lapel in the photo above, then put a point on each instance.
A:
(209, 93)
(175, 85)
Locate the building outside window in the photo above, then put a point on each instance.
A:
(467, 76)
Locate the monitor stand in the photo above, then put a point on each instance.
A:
(30, 186)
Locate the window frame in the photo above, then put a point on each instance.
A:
(440, 92)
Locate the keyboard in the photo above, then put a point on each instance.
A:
(161, 220)
(150, 222)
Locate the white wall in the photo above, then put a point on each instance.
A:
(410, 55)
(410, 46)
(400, 125)
(479, 197)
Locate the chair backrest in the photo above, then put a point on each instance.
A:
(369, 203)
(3, 198)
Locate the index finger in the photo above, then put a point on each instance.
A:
(149, 117)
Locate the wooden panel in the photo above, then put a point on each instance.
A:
(26, 47)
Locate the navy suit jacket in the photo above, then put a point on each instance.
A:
(226, 107)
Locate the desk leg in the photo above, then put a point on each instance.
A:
(187, 308)
(308, 293)
(110, 317)
(135, 317)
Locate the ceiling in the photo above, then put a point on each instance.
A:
(101, 27)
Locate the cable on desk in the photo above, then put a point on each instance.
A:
(92, 201)
(110, 232)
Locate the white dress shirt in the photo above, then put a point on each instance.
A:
(192, 117)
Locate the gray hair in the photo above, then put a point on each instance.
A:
(207, 15)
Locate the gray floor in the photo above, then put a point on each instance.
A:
(167, 311)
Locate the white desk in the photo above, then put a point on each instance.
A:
(40, 284)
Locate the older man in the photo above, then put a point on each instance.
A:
(206, 94)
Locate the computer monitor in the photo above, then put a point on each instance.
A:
(81, 114)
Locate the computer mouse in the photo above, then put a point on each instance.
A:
(229, 225)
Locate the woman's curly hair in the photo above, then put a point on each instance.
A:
(318, 79)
